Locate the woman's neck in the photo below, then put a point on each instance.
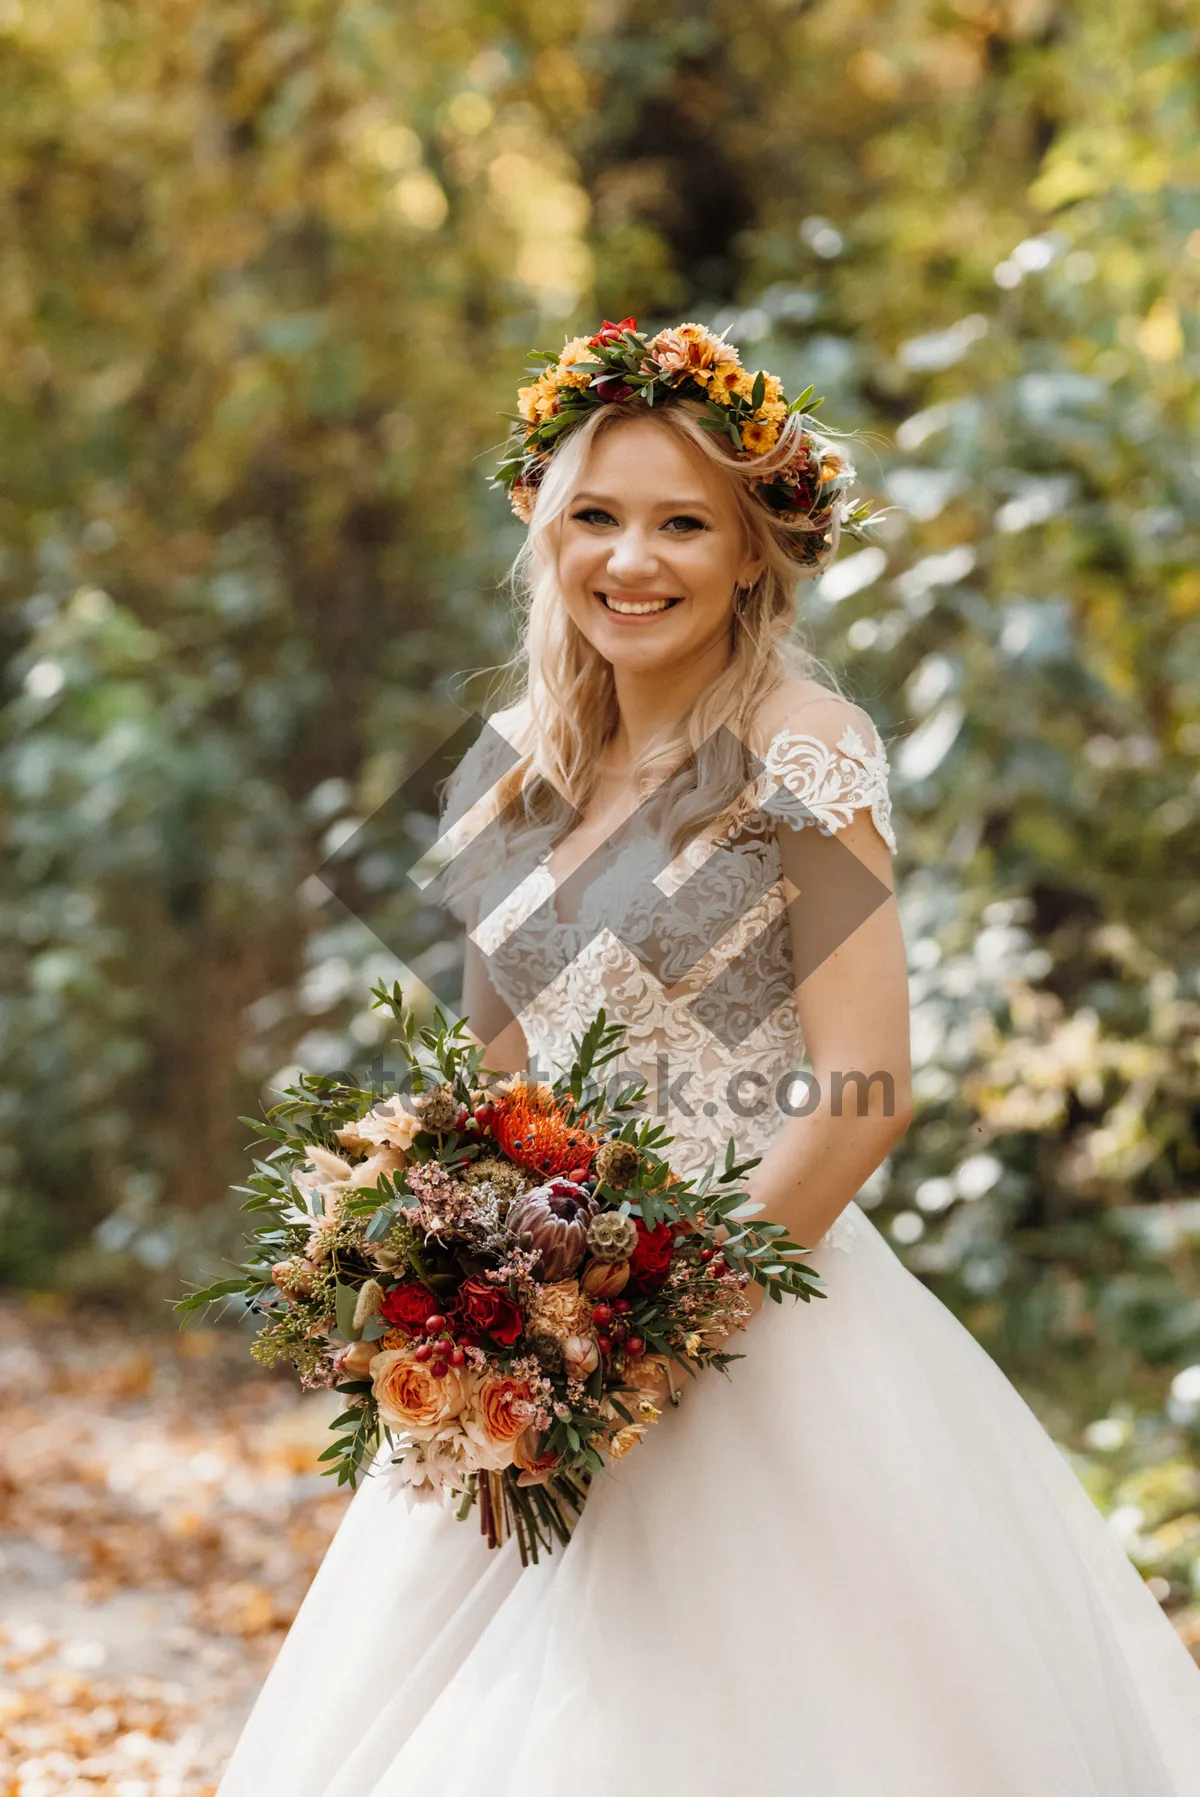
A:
(653, 704)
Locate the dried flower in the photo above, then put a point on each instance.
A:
(616, 1163)
(369, 1302)
(438, 1108)
(611, 1236)
(368, 1173)
(559, 1310)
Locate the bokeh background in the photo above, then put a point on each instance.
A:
(268, 273)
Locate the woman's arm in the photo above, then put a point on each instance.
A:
(853, 1009)
(854, 1015)
(489, 1018)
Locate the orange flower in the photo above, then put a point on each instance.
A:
(759, 435)
(534, 1129)
(535, 1468)
(504, 1406)
(408, 1395)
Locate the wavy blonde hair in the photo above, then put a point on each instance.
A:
(568, 686)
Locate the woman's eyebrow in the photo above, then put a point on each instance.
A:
(667, 505)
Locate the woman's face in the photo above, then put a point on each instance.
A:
(651, 549)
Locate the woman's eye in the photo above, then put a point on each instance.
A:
(684, 521)
(592, 514)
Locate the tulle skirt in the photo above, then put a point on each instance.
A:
(856, 1568)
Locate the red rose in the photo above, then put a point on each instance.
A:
(650, 1261)
(484, 1309)
(611, 333)
(406, 1306)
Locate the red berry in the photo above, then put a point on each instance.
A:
(484, 1114)
(622, 1304)
(577, 1174)
(423, 1352)
(434, 1323)
(438, 1369)
(604, 1343)
(457, 1357)
(460, 1117)
(635, 1346)
(602, 1314)
(706, 1253)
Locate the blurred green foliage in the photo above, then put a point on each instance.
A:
(267, 272)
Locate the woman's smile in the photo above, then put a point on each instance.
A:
(630, 605)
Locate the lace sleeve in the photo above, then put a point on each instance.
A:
(808, 780)
(474, 795)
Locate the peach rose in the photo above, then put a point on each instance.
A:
(408, 1395)
(534, 1468)
(688, 348)
(505, 1406)
(498, 1417)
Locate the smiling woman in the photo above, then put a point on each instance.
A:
(868, 1497)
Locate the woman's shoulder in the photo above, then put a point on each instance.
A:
(804, 709)
(822, 758)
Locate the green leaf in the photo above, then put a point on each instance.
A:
(347, 1298)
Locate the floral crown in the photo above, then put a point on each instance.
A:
(809, 488)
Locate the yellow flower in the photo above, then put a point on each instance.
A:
(577, 350)
(623, 1440)
(548, 399)
(691, 1346)
(759, 435)
(539, 401)
(831, 466)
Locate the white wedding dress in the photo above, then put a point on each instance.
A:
(856, 1568)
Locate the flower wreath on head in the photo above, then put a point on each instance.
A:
(686, 361)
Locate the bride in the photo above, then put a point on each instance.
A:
(857, 1567)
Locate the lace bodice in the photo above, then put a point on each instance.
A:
(692, 955)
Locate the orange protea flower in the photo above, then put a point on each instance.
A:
(535, 1130)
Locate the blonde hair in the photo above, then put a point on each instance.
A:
(568, 686)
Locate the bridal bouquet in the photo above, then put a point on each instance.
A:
(500, 1276)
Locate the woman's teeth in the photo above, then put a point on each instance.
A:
(635, 608)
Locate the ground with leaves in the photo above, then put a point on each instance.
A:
(161, 1516)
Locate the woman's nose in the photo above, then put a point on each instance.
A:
(632, 556)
